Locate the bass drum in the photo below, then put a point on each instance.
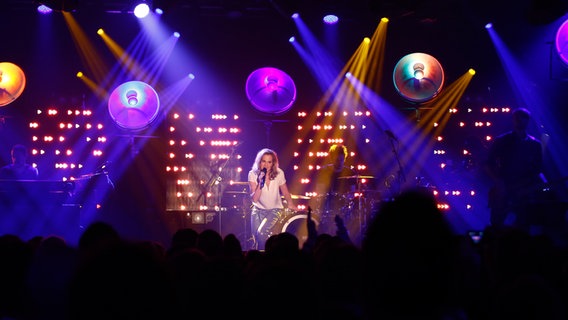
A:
(296, 224)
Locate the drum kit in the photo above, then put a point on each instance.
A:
(353, 207)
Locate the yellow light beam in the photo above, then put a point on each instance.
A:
(423, 136)
(127, 61)
(99, 91)
(89, 56)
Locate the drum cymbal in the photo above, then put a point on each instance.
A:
(239, 183)
(356, 177)
(236, 192)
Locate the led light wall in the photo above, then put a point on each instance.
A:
(203, 159)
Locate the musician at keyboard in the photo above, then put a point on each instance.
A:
(19, 169)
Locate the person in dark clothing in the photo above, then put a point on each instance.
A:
(19, 169)
(514, 164)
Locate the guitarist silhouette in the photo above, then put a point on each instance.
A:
(514, 163)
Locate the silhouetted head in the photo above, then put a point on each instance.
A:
(521, 118)
(409, 253)
(184, 238)
(97, 236)
(19, 154)
(210, 242)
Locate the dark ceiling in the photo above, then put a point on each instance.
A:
(427, 11)
(237, 36)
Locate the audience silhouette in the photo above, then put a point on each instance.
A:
(411, 261)
(410, 265)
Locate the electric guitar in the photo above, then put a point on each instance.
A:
(520, 195)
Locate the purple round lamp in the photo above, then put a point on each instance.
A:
(133, 105)
(561, 42)
(270, 90)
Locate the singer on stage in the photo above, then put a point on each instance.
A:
(267, 184)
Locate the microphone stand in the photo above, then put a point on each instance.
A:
(400, 174)
(216, 177)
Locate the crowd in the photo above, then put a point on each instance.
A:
(411, 265)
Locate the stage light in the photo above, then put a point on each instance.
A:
(270, 90)
(418, 71)
(60, 5)
(141, 10)
(330, 19)
(198, 218)
(43, 9)
(12, 82)
(133, 105)
(418, 77)
(561, 42)
(132, 98)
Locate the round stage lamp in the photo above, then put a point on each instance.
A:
(270, 90)
(561, 42)
(12, 82)
(418, 77)
(133, 105)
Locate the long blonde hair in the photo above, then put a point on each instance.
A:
(256, 164)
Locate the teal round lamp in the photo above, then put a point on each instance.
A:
(418, 77)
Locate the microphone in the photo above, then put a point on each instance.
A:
(263, 179)
(391, 135)
(103, 167)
